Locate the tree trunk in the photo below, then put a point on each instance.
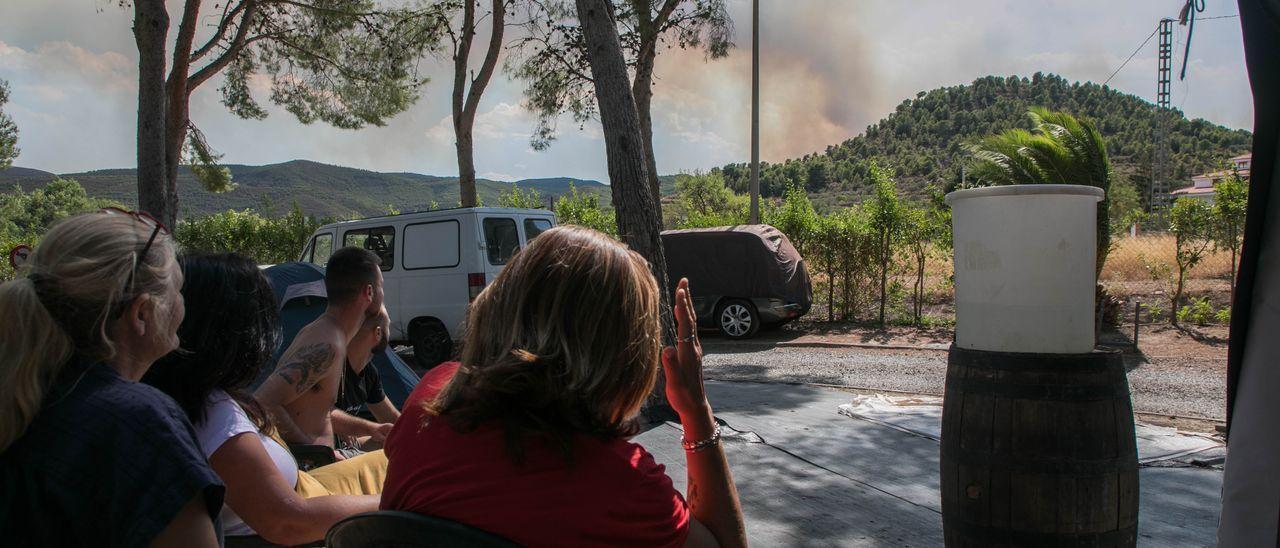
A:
(642, 87)
(920, 260)
(464, 114)
(638, 216)
(643, 91)
(884, 274)
(831, 292)
(1177, 296)
(177, 109)
(462, 124)
(150, 31)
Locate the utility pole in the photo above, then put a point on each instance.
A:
(755, 112)
(1160, 168)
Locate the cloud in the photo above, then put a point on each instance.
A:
(503, 121)
(495, 176)
(75, 108)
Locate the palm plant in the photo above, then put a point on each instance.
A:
(1060, 149)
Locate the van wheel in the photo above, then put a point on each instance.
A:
(431, 343)
(737, 319)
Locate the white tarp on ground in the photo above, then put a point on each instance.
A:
(922, 416)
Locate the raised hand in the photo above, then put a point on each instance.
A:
(682, 364)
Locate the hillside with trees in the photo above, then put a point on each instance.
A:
(924, 140)
(318, 189)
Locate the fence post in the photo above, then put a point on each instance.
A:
(1137, 314)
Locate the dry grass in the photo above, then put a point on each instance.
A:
(1130, 256)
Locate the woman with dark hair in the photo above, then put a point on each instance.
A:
(231, 330)
(529, 439)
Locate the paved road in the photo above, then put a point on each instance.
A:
(1167, 386)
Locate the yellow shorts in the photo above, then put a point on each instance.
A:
(360, 475)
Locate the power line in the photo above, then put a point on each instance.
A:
(1131, 55)
(1153, 33)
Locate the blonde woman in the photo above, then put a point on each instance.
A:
(88, 455)
(529, 439)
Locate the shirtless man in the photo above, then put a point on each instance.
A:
(301, 391)
(361, 388)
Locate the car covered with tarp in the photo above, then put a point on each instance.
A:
(742, 277)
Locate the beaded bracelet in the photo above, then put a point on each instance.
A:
(695, 446)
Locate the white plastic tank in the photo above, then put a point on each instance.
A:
(1025, 259)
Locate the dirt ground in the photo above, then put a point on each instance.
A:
(1177, 375)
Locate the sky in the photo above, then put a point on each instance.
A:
(829, 68)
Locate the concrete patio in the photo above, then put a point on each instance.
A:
(808, 476)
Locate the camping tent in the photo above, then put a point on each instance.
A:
(299, 289)
(1251, 480)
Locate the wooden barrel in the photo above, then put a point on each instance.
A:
(1038, 450)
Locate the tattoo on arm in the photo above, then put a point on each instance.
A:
(305, 366)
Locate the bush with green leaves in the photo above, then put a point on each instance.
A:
(1230, 201)
(795, 217)
(703, 201)
(1192, 224)
(522, 199)
(1199, 312)
(267, 240)
(26, 216)
(1155, 312)
(887, 218)
(1223, 316)
(583, 209)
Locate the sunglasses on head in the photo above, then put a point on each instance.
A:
(147, 220)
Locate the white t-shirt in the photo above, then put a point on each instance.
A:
(223, 420)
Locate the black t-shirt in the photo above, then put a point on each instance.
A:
(107, 462)
(359, 389)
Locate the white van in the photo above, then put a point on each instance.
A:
(433, 264)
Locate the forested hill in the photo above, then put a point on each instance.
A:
(924, 138)
(317, 188)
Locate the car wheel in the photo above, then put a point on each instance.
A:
(431, 343)
(737, 319)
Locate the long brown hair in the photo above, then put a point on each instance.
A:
(565, 341)
(62, 301)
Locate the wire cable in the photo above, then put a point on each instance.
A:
(1188, 17)
(1135, 52)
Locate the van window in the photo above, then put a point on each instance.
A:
(534, 227)
(321, 249)
(501, 239)
(432, 245)
(381, 240)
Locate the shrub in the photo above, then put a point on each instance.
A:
(1223, 316)
(1191, 222)
(26, 216)
(1199, 312)
(522, 199)
(1155, 312)
(583, 209)
(263, 239)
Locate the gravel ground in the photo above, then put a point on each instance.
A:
(1173, 386)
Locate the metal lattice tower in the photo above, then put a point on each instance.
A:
(1166, 63)
(1160, 168)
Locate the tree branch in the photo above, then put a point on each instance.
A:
(237, 44)
(333, 11)
(223, 26)
(460, 57)
(490, 59)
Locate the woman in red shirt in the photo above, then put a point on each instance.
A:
(528, 439)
